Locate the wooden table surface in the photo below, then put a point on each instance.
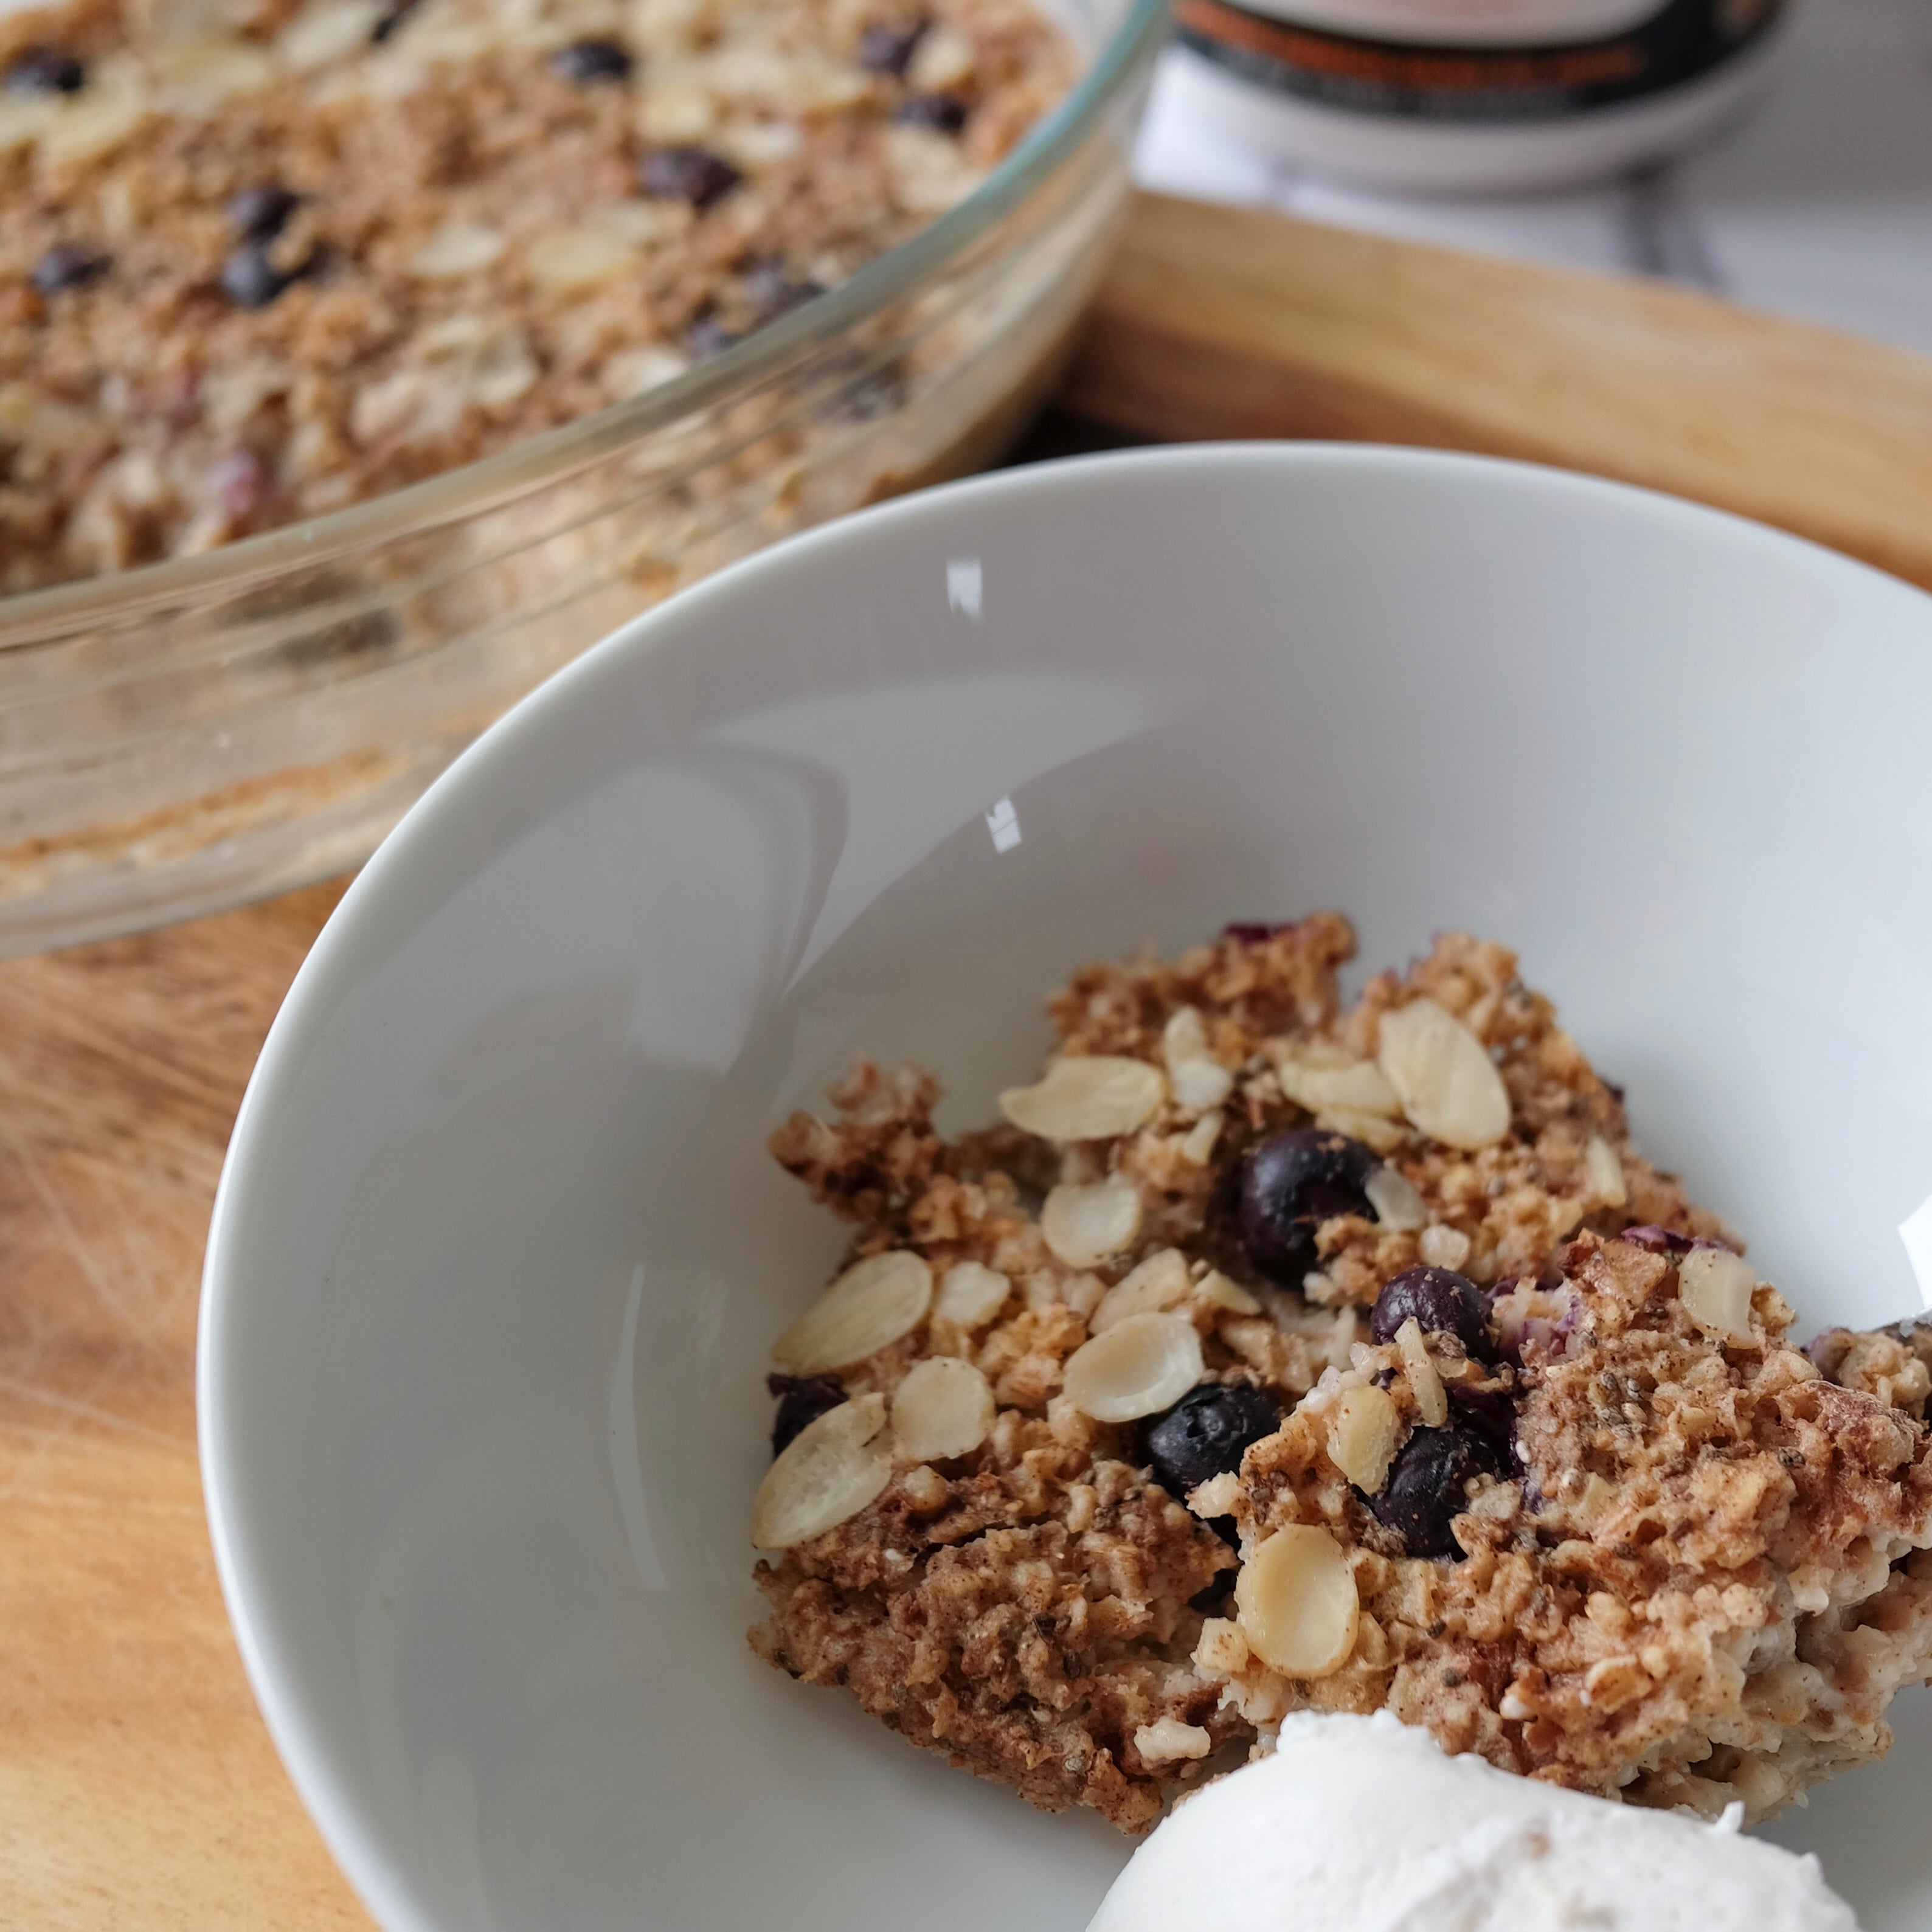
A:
(138, 1788)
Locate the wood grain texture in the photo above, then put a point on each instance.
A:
(1221, 322)
(138, 1787)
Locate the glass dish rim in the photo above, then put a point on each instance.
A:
(46, 617)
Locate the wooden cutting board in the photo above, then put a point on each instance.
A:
(138, 1788)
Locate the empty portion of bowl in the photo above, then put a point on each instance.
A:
(197, 733)
(499, 1255)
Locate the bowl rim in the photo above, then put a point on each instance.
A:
(338, 1809)
(45, 617)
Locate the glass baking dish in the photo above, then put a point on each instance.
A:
(180, 737)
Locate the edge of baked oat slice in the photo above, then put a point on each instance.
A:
(1681, 1567)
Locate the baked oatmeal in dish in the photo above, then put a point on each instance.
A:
(264, 258)
(1272, 1356)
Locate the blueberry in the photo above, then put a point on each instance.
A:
(887, 49)
(945, 113)
(1205, 1433)
(694, 175)
(260, 213)
(1290, 1183)
(801, 1399)
(249, 278)
(584, 61)
(68, 265)
(44, 71)
(774, 291)
(1445, 1302)
(1426, 1487)
(1251, 932)
(707, 336)
(1489, 1412)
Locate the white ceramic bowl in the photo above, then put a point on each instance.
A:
(499, 1254)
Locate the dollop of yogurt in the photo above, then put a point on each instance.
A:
(1365, 1825)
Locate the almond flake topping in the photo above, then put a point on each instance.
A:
(1448, 1085)
(869, 1307)
(1089, 1097)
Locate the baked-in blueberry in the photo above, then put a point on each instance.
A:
(260, 213)
(1206, 1433)
(44, 71)
(68, 265)
(1427, 1487)
(694, 175)
(583, 62)
(945, 113)
(706, 336)
(888, 49)
(251, 279)
(801, 1399)
(1443, 1301)
(1290, 1183)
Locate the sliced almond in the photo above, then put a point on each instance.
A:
(944, 57)
(828, 1473)
(1361, 1436)
(456, 248)
(1199, 1146)
(1215, 1288)
(1159, 1282)
(1184, 1037)
(578, 258)
(1443, 1246)
(759, 144)
(1200, 1085)
(869, 1307)
(943, 1407)
(504, 371)
(669, 115)
(1393, 1196)
(99, 122)
(1372, 1130)
(1357, 1088)
(1139, 1367)
(1083, 1226)
(1087, 1098)
(1296, 1602)
(320, 34)
(1425, 1383)
(23, 116)
(1448, 1086)
(1715, 1287)
(1604, 1172)
(631, 372)
(194, 77)
(970, 1294)
(635, 220)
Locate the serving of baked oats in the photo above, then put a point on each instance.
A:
(265, 259)
(1275, 1355)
